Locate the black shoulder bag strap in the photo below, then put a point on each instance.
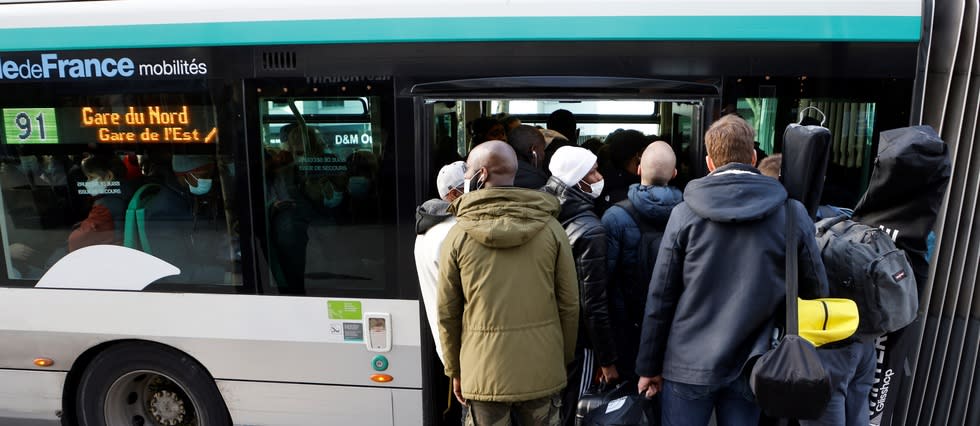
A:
(792, 274)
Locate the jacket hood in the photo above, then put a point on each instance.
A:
(654, 202)
(573, 201)
(429, 214)
(504, 217)
(734, 193)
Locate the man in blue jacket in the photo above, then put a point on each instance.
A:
(719, 284)
(652, 201)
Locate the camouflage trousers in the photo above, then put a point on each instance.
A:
(536, 412)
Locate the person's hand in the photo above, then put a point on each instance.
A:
(20, 251)
(609, 374)
(458, 391)
(649, 386)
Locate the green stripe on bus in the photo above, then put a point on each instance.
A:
(715, 28)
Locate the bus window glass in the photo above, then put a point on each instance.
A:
(852, 127)
(322, 176)
(147, 171)
(760, 113)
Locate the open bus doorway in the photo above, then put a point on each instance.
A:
(676, 112)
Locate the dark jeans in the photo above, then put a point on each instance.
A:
(691, 405)
(852, 372)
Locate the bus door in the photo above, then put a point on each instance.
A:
(327, 240)
(674, 111)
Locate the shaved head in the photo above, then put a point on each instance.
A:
(496, 160)
(657, 164)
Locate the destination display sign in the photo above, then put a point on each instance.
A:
(130, 123)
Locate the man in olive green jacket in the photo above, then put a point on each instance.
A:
(507, 295)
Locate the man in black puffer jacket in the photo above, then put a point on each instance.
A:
(576, 182)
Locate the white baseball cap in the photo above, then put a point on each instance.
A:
(450, 176)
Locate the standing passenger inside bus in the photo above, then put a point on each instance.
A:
(563, 122)
(618, 163)
(486, 129)
(576, 182)
(719, 283)
(291, 206)
(508, 295)
(529, 144)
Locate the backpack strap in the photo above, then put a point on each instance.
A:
(635, 214)
(826, 224)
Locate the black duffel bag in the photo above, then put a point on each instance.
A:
(789, 381)
(619, 406)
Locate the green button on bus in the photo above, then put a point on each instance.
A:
(380, 363)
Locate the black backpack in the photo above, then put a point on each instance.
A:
(638, 276)
(864, 265)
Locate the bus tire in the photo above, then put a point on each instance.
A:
(145, 383)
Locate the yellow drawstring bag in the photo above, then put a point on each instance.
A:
(827, 320)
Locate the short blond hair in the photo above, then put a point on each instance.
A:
(770, 165)
(730, 140)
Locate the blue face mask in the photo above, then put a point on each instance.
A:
(203, 186)
(333, 200)
(358, 186)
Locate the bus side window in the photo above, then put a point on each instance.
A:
(323, 189)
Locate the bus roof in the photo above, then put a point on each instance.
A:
(182, 23)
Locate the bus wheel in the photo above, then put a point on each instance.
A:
(148, 384)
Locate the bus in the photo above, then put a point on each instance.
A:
(208, 207)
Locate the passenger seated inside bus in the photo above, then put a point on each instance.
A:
(178, 189)
(109, 195)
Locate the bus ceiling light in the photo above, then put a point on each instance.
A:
(43, 362)
(381, 378)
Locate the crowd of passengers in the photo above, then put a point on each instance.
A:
(537, 284)
(59, 204)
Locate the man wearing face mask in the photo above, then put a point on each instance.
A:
(576, 182)
(529, 145)
(507, 295)
(194, 172)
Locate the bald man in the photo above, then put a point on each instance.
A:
(507, 295)
(634, 228)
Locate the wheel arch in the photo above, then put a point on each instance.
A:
(77, 369)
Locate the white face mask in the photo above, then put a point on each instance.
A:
(95, 187)
(203, 186)
(596, 188)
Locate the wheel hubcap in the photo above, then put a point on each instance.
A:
(149, 398)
